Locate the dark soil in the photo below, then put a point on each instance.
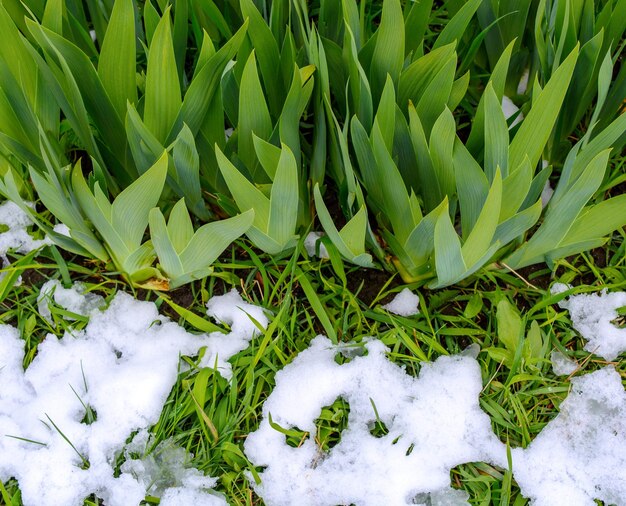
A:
(366, 284)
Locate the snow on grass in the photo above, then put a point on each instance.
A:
(432, 424)
(581, 454)
(73, 299)
(66, 418)
(14, 236)
(406, 303)
(593, 316)
(65, 421)
(245, 322)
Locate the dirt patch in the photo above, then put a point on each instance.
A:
(366, 284)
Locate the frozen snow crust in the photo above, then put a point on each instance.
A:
(98, 387)
(121, 369)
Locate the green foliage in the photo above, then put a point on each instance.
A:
(274, 227)
(515, 344)
(542, 34)
(122, 224)
(185, 256)
(350, 240)
(264, 106)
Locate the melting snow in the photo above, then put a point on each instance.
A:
(311, 242)
(73, 299)
(510, 109)
(581, 454)
(434, 423)
(98, 386)
(119, 370)
(593, 315)
(16, 236)
(244, 320)
(166, 473)
(404, 304)
(561, 364)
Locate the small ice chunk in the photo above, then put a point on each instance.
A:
(310, 245)
(473, 350)
(74, 299)
(561, 364)
(433, 423)
(581, 454)
(510, 109)
(167, 473)
(405, 303)
(62, 229)
(557, 288)
(593, 315)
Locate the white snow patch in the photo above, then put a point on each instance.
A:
(405, 303)
(510, 109)
(72, 299)
(188, 494)
(581, 454)
(16, 238)
(523, 82)
(241, 316)
(121, 367)
(435, 418)
(62, 229)
(311, 242)
(593, 315)
(561, 364)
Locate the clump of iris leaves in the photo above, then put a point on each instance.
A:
(195, 144)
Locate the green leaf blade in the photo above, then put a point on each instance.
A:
(116, 66)
(162, 98)
(284, 199)
(254, 116)
(130, 210)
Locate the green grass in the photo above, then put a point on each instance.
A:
(211, 417)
